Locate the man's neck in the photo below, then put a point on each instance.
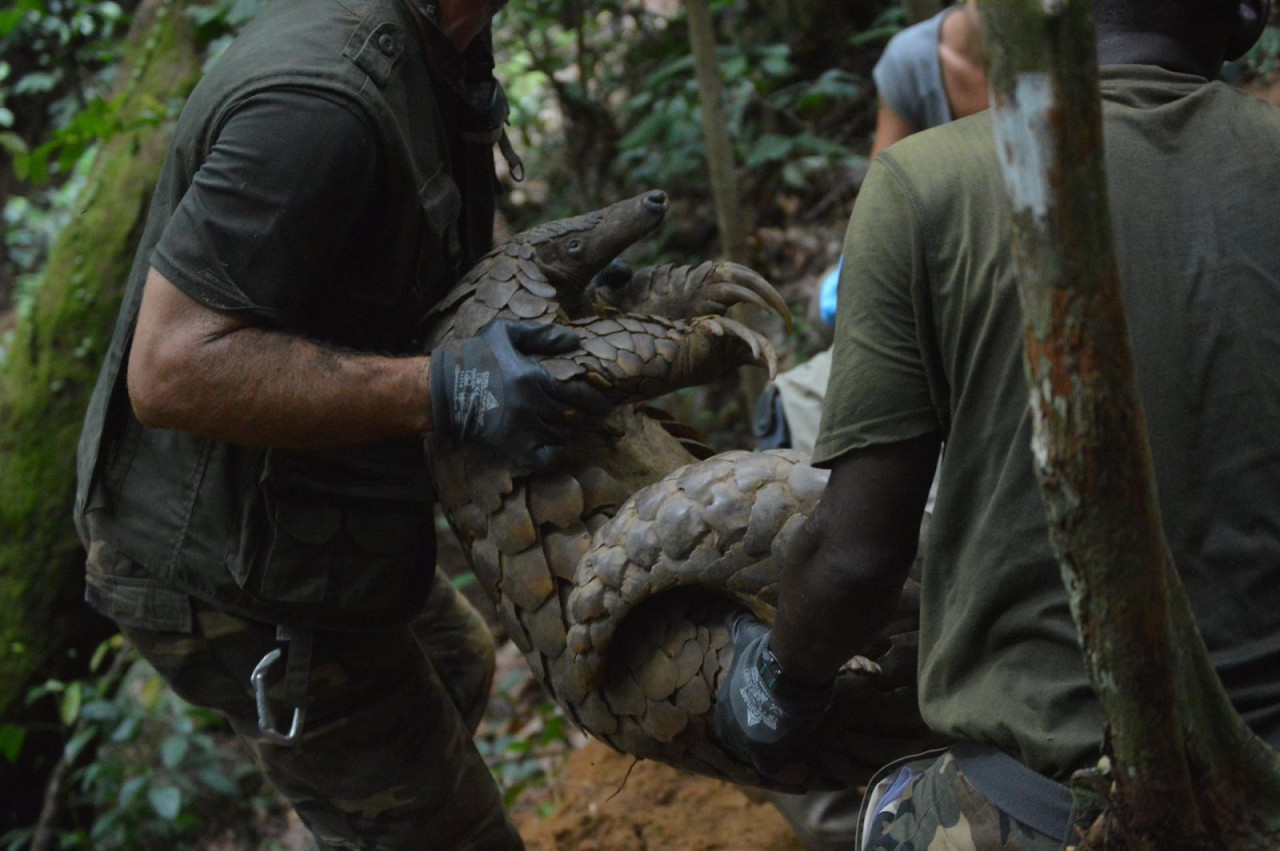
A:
(1127, 48)
(961, 32)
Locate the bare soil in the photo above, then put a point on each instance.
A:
(607, 801)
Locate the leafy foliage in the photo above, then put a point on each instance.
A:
(30, 224)
(1263, 59)
(608, 103)
(153, 771)
(523, 735)
(63, 55)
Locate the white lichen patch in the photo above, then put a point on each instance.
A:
(1024, 143)
(1039, 428)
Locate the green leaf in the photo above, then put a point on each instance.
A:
(165, 800)
(100, 710)
(18, 838)
(770, 147)
(36, 82)
(219, 782)
(130, 788)
(127, 730)
(77, 743)
(71, 698)
(101, 652)
(173, 750)
(11, 739)
(872, 37)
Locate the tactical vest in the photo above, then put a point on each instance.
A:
(339, 539)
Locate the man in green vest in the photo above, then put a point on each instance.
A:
(928, 348)
(252, 487)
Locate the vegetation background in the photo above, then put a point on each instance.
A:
(95, 752)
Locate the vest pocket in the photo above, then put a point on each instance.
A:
(323, 545)
(302, 553)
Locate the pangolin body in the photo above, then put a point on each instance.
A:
(614, 574)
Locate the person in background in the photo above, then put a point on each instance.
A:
(930, 73)
(252, 487)
(929, 346)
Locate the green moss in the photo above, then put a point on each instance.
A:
(53, 362)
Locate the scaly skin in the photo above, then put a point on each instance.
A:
(626, 636)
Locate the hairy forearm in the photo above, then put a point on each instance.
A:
(256, 387)
(197, 371)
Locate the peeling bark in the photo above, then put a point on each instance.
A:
(1182, 770)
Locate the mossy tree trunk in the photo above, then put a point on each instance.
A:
(52, 364)
(1182, 769)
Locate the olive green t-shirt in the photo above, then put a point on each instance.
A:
(929, 340)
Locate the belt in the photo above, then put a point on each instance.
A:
(1027, 795)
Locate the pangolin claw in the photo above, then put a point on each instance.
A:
(683, 292)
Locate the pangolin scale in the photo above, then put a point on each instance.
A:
(614, 573)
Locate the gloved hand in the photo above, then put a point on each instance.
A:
(489, 392)
(761, 717)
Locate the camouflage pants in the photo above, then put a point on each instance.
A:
(942, 811)
(386, 758)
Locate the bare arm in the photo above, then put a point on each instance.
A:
(836, 596)
(195, 369)
(890, 127)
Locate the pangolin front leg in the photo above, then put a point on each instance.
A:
(637, 358)
(675, 292)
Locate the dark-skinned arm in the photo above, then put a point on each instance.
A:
(890, 127)
(839, 586)
(835, 596)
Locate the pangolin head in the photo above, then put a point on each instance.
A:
(570, 252)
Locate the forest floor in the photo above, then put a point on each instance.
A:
(592, 798)
(606, 801)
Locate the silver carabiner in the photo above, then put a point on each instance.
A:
(266, 718)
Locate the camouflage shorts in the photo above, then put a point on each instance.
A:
(386, 758)
(942, 811)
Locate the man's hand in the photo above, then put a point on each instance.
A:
(760, 717)
(488, 391)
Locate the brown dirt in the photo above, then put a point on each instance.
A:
(606, 801)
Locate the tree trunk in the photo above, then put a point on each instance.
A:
(1184, 771)
(720, 163)
(50, 370)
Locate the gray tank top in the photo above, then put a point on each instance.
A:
(909, 75)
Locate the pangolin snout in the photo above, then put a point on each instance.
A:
(656, 201)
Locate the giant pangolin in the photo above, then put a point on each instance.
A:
(614, 574)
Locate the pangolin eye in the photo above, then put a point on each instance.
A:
(575, 247)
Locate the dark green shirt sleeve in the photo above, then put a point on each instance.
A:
(879, 388)
(287, 184)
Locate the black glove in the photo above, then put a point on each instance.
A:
(487, 391)
(761, 718)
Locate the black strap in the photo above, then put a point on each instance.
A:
(1026, 795)
(297, 671)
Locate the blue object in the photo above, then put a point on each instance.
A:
(828, 294)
